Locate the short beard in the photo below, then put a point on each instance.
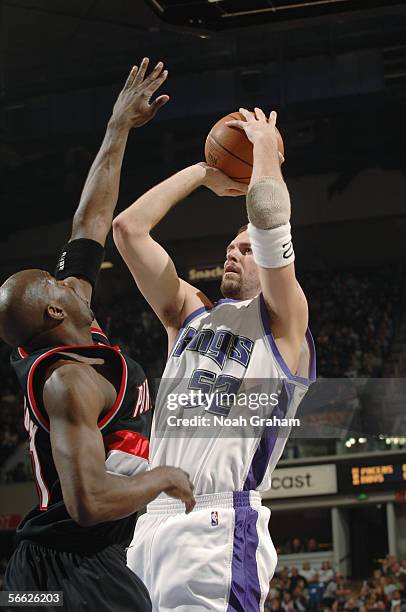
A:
(231, 288)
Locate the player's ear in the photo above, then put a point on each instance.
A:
(55, 312)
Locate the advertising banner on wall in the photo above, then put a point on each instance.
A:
(306, 480)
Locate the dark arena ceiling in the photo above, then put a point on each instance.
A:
(334, 69)
(223, 14)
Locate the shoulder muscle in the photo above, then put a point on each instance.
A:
(75, 391)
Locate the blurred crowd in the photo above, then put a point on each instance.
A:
(298, 545)
(12, 431)
(352, 316)
(313, 589)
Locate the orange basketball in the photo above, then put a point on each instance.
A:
(228, 149)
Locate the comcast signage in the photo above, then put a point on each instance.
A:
(303, 481)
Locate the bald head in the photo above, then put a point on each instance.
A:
(37, 309)
(22, 306)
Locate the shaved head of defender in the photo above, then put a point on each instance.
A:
(38, 310)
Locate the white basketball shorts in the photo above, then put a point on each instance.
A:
(220, 557)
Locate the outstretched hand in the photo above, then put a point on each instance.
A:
(221, 184)
(133, 107)
(257, 125)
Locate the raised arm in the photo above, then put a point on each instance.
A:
(74, 397)
(268, 207)
(153, 270)
(94, 215)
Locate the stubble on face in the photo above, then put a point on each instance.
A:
(231, 285)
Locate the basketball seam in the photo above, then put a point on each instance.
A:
(230, 152)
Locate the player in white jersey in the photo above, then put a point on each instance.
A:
(220, 557)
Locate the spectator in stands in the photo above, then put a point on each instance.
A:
(396, 600)
(300, 600)
(312, 545)
(394, 569)
(274, 587)
(316, 590)
(389, 585)
(287, 602)
(380, 593)
(326, 572)
(295, 546)
(307, 571)
(302, 585)
(330, 593)
(342, 592)
(274, 605)
(351, 605)
(385, 564)
(295, 577)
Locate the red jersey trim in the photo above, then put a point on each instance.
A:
(128, 441)
(30, 391)
(96, 330)
(120, 396)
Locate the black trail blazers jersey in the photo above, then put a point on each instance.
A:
(125, 430)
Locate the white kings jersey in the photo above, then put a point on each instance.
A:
(229, 349)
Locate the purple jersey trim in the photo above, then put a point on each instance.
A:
(263, 454)
(194, 314)
(189, 318)
(199, 311)
(245, 590)
(226, 301)
(285, 369)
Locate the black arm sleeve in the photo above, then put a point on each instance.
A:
(82, 258)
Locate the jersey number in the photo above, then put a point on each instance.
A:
(42, 488)
(217, 388)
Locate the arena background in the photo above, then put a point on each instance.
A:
(335, 70)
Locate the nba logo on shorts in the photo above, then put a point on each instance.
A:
(214, 518)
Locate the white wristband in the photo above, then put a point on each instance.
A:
(272, 248)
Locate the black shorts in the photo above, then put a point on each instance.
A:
(100, 582)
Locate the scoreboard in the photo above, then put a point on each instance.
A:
(371, 475)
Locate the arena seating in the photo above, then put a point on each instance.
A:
(314, 588)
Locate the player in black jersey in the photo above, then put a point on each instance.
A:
(86, 404)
